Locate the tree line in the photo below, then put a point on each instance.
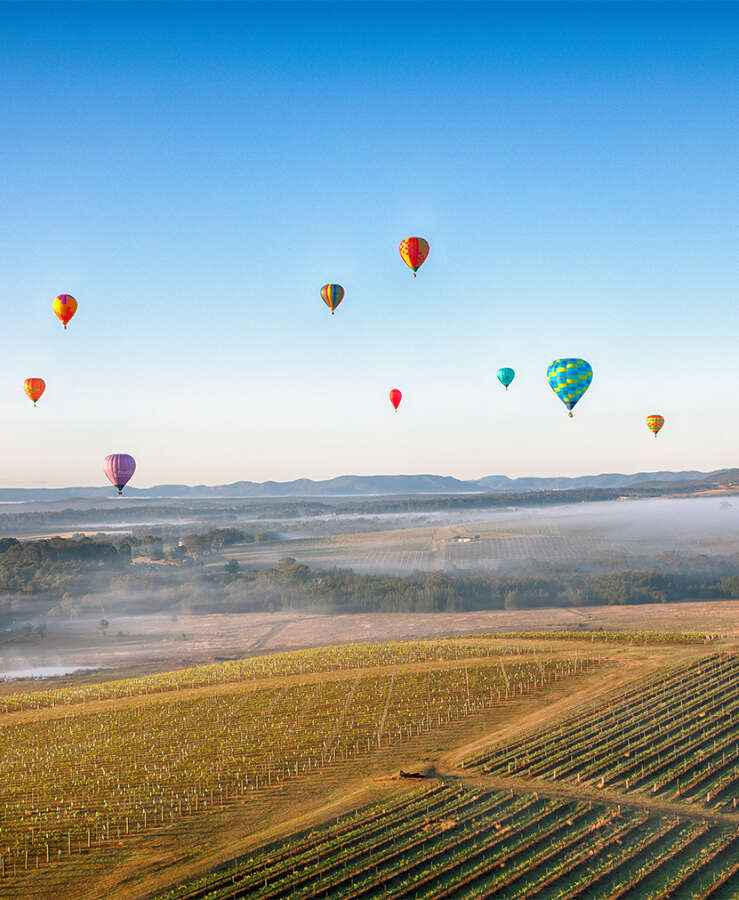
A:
(67, 577)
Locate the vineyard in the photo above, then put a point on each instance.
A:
(403, 552)
(295, 662)
(462, 843)
(93, 768)
(676, 738)
(74, 781)
(640, 638)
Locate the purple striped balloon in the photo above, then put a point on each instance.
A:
(119, 467)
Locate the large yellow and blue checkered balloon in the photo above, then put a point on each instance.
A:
(569, 379)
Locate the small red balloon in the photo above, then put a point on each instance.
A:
(395, 397)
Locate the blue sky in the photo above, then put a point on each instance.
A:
(194, 173)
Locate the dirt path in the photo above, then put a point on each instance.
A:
(564, 791)
(268, 635)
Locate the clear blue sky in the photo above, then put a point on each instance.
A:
(194, 173)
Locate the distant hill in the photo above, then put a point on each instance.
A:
(368, 485)
(724, 478)
(503, 483)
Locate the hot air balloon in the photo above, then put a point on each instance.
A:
(655, 423)
(34, 387)
(119, 467)
(332, 295)
(506, 376)
(395, 398)
(65, 306)
(414, 251)
(569, 379)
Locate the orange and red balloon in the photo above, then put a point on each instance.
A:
(395, 398)
(34, 388)
(414, 251)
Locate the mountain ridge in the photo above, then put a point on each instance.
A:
(370, 485)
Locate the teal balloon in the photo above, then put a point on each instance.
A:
(506, 376)
(569, 379)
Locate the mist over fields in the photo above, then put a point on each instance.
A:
(613, 535)
(156, 555)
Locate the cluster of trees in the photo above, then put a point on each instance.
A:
(33, 567)
(292, 585)
(218, 538)
(192, 546)
(70, 575)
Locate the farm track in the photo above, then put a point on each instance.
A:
(577, 792)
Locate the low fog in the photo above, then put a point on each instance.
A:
(139, 581)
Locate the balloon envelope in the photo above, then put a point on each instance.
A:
(65, 306)
(506, 376)
(332, 295)
(395, 397)
(34, 388)
(414, 251)
(654, 423)
(119, 467)
(569, 379)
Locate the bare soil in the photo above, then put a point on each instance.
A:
(137, 645)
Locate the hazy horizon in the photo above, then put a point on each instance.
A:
(194, 483)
